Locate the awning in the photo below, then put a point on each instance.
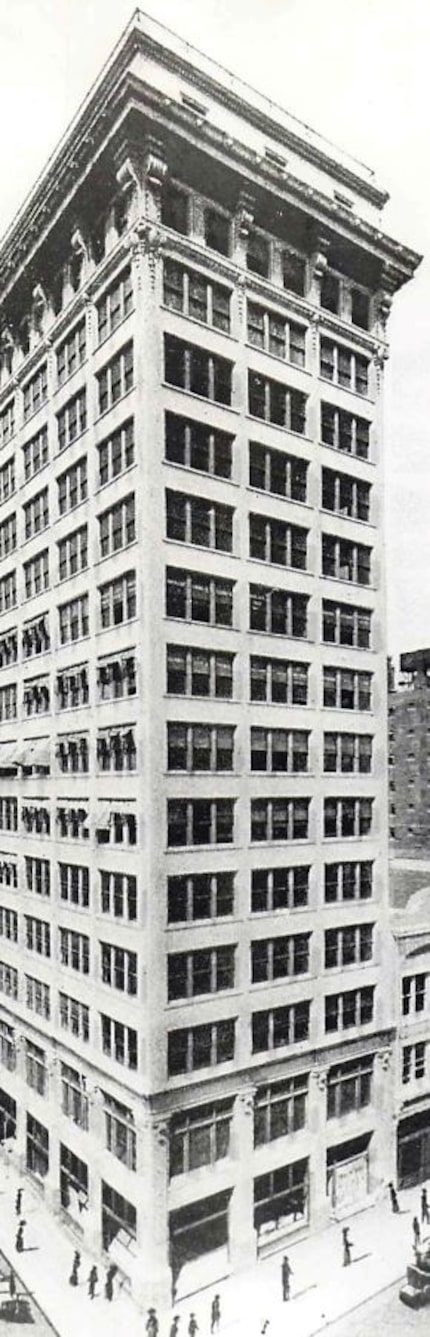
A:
(36, 753)
(8, 756)
(121, 807)
(103, 819)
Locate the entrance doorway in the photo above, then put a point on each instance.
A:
(348, 1173)
(199, 1243)
(413, 1149)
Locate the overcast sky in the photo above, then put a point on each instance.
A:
(357, 71)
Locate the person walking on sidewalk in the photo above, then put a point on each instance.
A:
(92, 1281)
(193, 1326)
(19, 1240)
(152, 1323)
(215, 1313)
(74, 1278)
(416, 1232)
(174, 1326)
(286, 1272)
(12, 1285)
(393, 1198)
(347, 1246)
(18, 1202)
(425, 1214)
(109, 1281)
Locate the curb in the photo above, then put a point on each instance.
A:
(359, 1305)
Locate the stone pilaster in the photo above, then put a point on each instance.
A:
(318, 1207)
(154, 1286)
(242, 1236)
(243, 222)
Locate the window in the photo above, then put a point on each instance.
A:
(279, 612)
(120, 1131)
(35, 392)
(330, 292)
(294, 272)
(116, 379)
(7, 479)
(278, 680)
(273, 471)
(348, 946)
(36, 453)
(7, 422)
(116, 749)
(8, 872)
(274, 541)
(174, 208)
(74, 884)
(344, 624)
(275, 889)
(344, 689)
(199, 1137)
(118, 1217)
(37, 1148)
(280, 1109)
(348, 881)
(36, 574)
(36, 819)
(343, 560)
(345, 431)
(71, 353)
(217, 231)
(279, 819)
(7, 1046)
(345, 817)
(8, 592)
(35, 1068)
(74, 620)
(8, 536)
(72, 753)
(38, 876)
(37, 936)
(116, 453)
(37, 997)
(74, 1017)
(115, 305)
(8, 924)
(360, 308)
(8, 980)
(117, 825)
(72, 420)
(36, 699)
(118, 600)
(344, 367)
(277, 335)
(8, 648)
(196, 296)
(75, 950)
(118, 895)
(343, 1010)
(72, 822)
(192, 368)
(200, 747)
(345, 495)
(195, 672)
(73, 553)
(191, 974)
(116, 677)
(349, 1087)
(277, 403)
(200, 822)
(258, 253)
(72, 486)
(413, 1063)
(74, 1099)
(200, 1047)
(119, 1042)
(278, 750)
(195, 597)
(348, 752)
(280, 1026)
(72, 687)
(194, 520)
(8, 814)
(117, 526)
(197, 446)
(36, 514)
(73, 1181)
(413, 994)
(119, 968)
(279, 958)
(281, 1197)
(200, 896)
(8, 702)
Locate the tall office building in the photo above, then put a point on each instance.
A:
(195, 1028)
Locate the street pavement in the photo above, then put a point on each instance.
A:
(26, 1311)
(383, 1314)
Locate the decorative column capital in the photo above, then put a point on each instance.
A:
(384, 1057)
(319, 1076)
(246, 1099)
(155, 162)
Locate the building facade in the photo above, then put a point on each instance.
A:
(195, 1039)
(412, 944)
(409, 752)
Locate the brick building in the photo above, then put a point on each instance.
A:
(195, 1041)
(409, 752)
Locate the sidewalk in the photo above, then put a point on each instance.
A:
(322, 1289)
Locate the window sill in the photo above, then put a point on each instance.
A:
(356, 394)
(281, 566)
(114, 405)
(353, 519)
(59, 454)
(200, 473)
(193, 849)
(277, 357)
(123, 472)
(201, 399)
(195, 999)
(101, 343)
(280, 427)
(201, 324)
(201, 547)
(117, 553)
(341, 580)
(346, 454)
(279, 496)
(79, 366)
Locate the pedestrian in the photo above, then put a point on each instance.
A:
(12, 1285)
(74, 1278)
(287, 1273)
(92, 1281)
(109, 1281)
(193, 1326)
(19, 1241)
(425, 1214)
(416, 1231)
(265, 1327)
(18, 1202)
(215, 1313)
(393, 1198)
(174, 1326)
(152, 1323)
(347, 1246)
